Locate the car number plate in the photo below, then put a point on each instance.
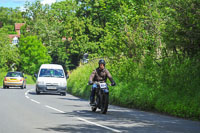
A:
(51, 87)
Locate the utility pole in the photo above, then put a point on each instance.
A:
(12, 67)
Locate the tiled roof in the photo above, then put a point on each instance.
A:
(18, 25)
(70, 39)
(12, 36)
(64, 38)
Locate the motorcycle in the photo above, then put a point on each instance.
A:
(101, 98)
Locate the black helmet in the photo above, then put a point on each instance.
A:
(102, 61)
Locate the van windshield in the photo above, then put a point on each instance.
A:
(58, 73)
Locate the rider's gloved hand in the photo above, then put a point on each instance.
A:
(113, 83)
(90, 82)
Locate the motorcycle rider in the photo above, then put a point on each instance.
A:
(99, 74)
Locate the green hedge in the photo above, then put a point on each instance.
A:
(172, 87)
(2, 75)
(78, 80)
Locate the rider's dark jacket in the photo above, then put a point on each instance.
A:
(100, 75)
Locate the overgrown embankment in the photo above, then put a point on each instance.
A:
(169, 86)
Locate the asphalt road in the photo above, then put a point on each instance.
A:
(22, 111)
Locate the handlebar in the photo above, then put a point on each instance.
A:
(98, 82)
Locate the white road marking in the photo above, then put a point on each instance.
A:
(93, 123)
(35, 101)
(114, 130)
(26, 94)
(54, 109)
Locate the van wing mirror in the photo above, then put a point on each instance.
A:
(67, 76)
(35, 75)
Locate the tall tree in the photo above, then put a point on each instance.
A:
(9, 53)
(46, 23)
(10, 16)
(183, 27)
(32, 54)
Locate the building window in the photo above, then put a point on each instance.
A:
(15, 41)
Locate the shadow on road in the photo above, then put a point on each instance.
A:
(138, 121)
(123, 119)
(13, 88)
(130, 120)
(44, 93)
(73, 99)
(69, 128)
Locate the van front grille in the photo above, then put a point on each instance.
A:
(52, 84)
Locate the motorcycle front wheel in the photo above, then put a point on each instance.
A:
(104, 103)
(94, 109)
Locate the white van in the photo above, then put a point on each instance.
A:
(51, 78)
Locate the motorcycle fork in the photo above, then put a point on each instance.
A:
(97, 98)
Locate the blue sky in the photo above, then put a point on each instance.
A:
(20, 3)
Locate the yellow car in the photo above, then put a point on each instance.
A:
(14, 79)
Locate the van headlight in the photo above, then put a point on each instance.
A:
(40, 82)
(62, 84)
